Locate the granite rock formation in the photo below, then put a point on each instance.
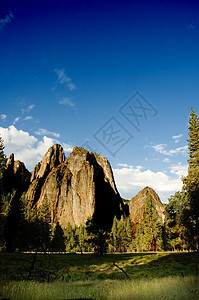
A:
(54, 156)
(16, 176)
(137, 203)
(75, 188)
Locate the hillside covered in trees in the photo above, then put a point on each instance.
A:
(73, 205)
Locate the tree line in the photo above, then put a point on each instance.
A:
(26, 229)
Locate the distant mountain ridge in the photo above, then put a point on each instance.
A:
(77, 188)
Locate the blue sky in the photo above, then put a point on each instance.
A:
(80, 73)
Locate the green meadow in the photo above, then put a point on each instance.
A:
(162, 275)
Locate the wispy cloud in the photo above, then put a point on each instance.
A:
(161, 148)
(177, 137)
(43, 132)
(8, 19)
(67, 101)
(3, 117)
(64, 79)
(28, 118)
(27, 109)
(16, 120)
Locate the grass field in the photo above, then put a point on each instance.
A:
(74, 276)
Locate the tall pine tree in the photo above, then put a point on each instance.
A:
(191, 184)
(148, 235)
(2, 217)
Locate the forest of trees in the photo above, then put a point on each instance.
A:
(24, 229)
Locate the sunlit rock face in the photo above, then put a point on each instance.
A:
(75, 188)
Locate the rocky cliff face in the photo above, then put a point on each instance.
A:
(54, 156)
(77, 188)
(16, 176)
(137, 203)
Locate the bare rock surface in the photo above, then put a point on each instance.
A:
(137, 203)
(53, 157)
(77, 188)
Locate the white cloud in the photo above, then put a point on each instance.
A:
(43, 131)
(179, 170)
(131, 179)
(67, 148)
(67, 101)
(177, 137)
(64, 79)
(16, 120)
(123, 165)
(8, 19)
(161, 149)
(15, 139)
(26, 147)
(28, 118)
(3, 117)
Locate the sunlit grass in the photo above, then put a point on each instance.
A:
(165, 288)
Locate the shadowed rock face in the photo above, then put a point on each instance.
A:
(77, 188)
(137, 203)
(16, 176)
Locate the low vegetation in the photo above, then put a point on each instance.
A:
(165, 288)
(89, 276)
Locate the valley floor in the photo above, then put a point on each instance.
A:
(161, 275)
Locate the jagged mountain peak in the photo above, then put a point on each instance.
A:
(53, 157)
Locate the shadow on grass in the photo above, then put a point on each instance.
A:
(77, 267)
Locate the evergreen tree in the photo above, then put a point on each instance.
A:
(82, 239)
(174, 216)
(113, 243)
(43, 224)
(2, 158)
(97, 236)
(121, 236)
(129, 233)
(58, 241)
(34, 230)
(70, 237)
(148, 234)
(43, 212)
(12, 221)
(2, 215)
(137, 244)
(191, 185)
